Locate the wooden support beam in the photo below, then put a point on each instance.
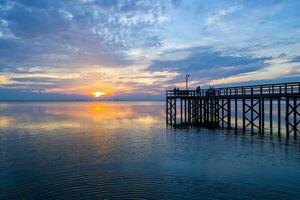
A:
(252, 116)
(259, 115)
(236, 114)
(229, 113)
(201, 108)
(287, 117)
(244, 115)
(279, 117)
(295, 116)
(174, 111)
(185, 110)
(222, 113)
(271, 116)
(167, 111)
(181, 110)
(263, 115)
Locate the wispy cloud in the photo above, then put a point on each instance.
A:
(218, 19)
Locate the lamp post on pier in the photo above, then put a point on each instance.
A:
(186, 81)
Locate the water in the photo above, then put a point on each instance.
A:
(106, 150)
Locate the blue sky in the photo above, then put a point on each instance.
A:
(131, 49)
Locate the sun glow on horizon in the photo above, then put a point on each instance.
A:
(98, 94)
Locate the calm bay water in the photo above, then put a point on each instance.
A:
(106, 150)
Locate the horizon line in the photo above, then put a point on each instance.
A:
(82, 100)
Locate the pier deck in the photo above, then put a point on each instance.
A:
(226, 107)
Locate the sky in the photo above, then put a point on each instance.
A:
(136, 49)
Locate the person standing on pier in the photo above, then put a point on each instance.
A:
(198, 91)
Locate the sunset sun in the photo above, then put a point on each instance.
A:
(98, 94)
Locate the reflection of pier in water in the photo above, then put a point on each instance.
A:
(221, 107)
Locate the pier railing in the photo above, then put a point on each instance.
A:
(214, 107)
(282, 89)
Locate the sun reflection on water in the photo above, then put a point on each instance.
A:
(5, 122)
(50, 116)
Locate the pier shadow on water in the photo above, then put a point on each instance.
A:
(117, 150)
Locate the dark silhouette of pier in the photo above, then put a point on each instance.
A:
(222, 108)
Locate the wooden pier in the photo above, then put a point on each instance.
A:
(259, 108)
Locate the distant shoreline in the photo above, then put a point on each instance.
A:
(8, 101)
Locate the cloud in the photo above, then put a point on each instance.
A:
(60, 33)
(34, 80)
(279, 71)
(217, 19)
(295, 59)
(201, 59)
(24, 95)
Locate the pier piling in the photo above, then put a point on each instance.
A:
(213, 108)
